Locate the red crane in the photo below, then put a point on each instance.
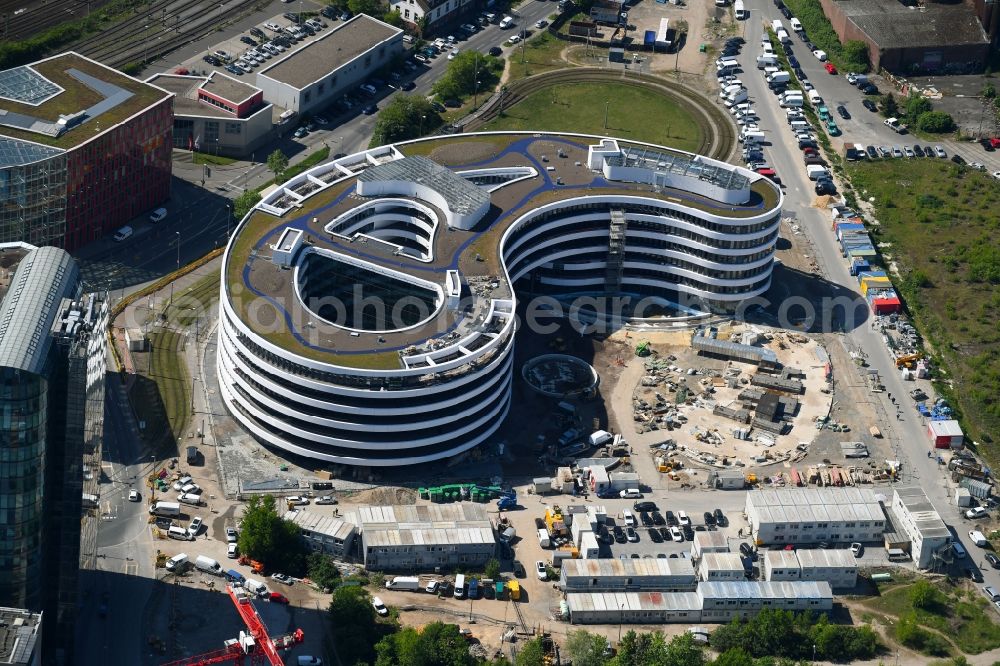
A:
(255, 647)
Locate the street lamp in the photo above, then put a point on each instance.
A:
(621, 619)
(606, 105)
(422, 119)
(170, 302)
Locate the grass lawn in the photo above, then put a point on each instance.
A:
(162, 396)
(941, 221)
(541, 54)
(577, 107)
(965, 618)
(218, 160)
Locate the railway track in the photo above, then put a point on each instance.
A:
(21, 20)
(718, 135)
(160, 29)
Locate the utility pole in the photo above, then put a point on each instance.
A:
(606, 104)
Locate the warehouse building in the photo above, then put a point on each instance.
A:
(418, 538)
(904, 40)
(324, 534)
(722, 602)
(781, 565)
(709, 542)
(721, 566)
(917, 518)
(811, 515)
(313, 75)
(712, 602)
(632, 575)
(633, 607)
(838, 567)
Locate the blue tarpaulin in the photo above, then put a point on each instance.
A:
(650, 38)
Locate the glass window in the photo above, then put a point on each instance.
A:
(234, 128)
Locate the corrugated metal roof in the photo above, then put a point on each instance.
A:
(410, 516)
(630, 568)
(781, 559)
(429, 536)
(752, 589)
(43, 279)
(812, 558)
(791, 505)
(714, 539)
(325, 525)
(722, 562)
(632, 601)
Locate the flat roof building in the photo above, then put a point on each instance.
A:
(305, 364)
(780, 565)
(721, 566)
(709, 542)
(312, 75)
(711, 602)
(724, 601)
(83, 150)
(217, 114)
(421, 537)
(813, 515)
(632, 575)
(906, 41)
(324, 534)
(20, 637)
(836, 566)
(917, 518)
(633, 607)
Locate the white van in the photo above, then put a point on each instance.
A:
(792, 102)
(208, 565)
(776, 25)
(506, 22)
(157, 215)
(766, 60)
(796, 25)
(123, 233)
(739, 11)
(737, 98)
(815, 172)
(630, 493)
(783, 37)
(978, 538)
(726, 66)
(815, 98)
(751, 137)
(255, 586)
(179, 533)
(769, 70)
(177, 562)
(460, 586)
(189, 498)
(799, 125)
(543, 539)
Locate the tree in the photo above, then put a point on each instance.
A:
(531, 654)
(915, 106)
(405, 117)
(889, 107)
(322, 570)
(683, 651)
(855, 56)
(935, 122)
(923, 595)
(267, 537)
(437, 644)
(988, 91)
(459, 80)
(393, 17)
(734, 657)
(370, 7)
(492, 569)
(585, 648)
(354, 625)
(244, 203)
(277, 162)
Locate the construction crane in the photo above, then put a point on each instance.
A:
(253, 647)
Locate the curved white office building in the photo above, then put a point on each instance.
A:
(367, 310)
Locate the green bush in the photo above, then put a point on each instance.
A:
(935, 122)
(405, 117)
(852, 56)
(916, 106)
(459, 81)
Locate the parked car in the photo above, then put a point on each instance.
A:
(195, 526)
(632, 535)
(870, 105)
(993, 560)
(379, 606)
(326, 499)
(917, 150)
(232, 536)
(134, 496)
(277, 598)
(496, 51)
(282, 578)
(939, 151)
(676, 535)
(369, 110)
(300, 132)
(987, 145)
(830, 68)
(654, 535)
(842, 112)
(541, 570)
(619, 534)
(232, 551)
(872, 152)
(720, 518)
(976, 511)
(957, 159)
(857, 549)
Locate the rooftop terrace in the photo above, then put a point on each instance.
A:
(314, 203)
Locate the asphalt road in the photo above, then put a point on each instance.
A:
(125, 568)
(904, 428)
